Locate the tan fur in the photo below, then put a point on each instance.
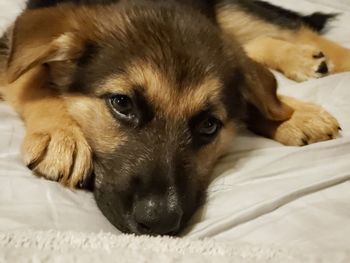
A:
(93, 116)
(338, 55)
(242, 27)
(160, 91)
(54, 146)
(296, 61)
(295, 54)
(309, 123)
(57, 43)
(207, 156)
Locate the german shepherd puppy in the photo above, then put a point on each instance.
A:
(142, 97)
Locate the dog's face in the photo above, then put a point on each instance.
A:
(155, 141)
(156, 119)
(157, 95)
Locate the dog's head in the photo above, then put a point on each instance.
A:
(157, 93)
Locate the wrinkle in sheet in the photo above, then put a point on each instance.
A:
(265, 207)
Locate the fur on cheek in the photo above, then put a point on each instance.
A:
(208, 156)
(93, 116)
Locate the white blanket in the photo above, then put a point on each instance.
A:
(54, 246)
(266, 197)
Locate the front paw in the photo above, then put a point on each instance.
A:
(309, 123)
(59, 154)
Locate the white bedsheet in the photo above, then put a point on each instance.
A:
(264, 193)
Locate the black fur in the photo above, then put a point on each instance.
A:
(206, 7)
(318, 21)
(261, 9)
(32, 4)
(89, 51)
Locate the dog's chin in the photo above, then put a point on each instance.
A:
(109, 211)
(134, 228)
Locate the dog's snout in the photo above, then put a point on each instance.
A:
(155, 215)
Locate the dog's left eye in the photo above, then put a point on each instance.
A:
(122, 105)
(209, 127)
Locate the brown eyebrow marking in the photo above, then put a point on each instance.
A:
(161, 92)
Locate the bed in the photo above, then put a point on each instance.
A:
(267, 202)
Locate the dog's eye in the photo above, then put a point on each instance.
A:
(122, 105)
(209, 127)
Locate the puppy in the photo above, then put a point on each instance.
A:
(142, 97)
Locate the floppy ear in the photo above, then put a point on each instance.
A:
(260, 93)
(40, 37)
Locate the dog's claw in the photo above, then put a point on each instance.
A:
(305, 142)
(319, 55)
(323, 68)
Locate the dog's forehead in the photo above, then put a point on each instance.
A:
(164, 91)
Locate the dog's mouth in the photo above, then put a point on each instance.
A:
(143, 229)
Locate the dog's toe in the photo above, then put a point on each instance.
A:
(58, 154)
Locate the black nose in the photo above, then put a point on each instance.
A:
(157, 215)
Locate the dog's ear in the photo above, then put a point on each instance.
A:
(42, 37)
(260, 93)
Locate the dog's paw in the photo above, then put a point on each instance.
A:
(59, 154)
(306, 62)
(309, 123)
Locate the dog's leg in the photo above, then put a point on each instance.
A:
(309, 123)
(297, 51)
(338, 55)
(286, 120)
(299, 62)
(300, 56)
(54, 146)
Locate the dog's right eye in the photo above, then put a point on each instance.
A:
(122, 105)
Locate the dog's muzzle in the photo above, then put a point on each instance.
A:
(156, 215)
